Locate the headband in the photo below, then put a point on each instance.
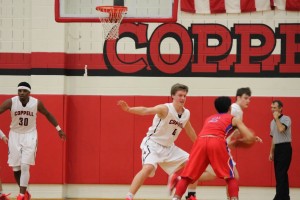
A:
(24, 88)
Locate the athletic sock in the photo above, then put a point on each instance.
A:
(129, 195)
(191, 194)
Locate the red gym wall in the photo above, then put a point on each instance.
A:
(102, 144)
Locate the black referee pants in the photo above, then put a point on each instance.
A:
(282, 160)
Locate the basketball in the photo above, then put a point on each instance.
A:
(239, 142)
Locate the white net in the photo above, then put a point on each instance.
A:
(111, 17)
(111, 31)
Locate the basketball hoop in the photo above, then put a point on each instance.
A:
(111, 17)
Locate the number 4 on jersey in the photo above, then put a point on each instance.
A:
(174, 132)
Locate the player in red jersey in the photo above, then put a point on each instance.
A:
(211, 148)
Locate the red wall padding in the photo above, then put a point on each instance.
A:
(116, 145)
(5, 172)
(253, 164)
(83, 139)
(103, 142)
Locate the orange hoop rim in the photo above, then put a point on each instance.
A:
(112, 9)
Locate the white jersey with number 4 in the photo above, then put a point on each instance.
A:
(23, 118)
(165, 131)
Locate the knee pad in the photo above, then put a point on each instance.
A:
(24, 179)
(25, 168)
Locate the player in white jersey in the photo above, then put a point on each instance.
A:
(158, 146)
(22, 141)
(2, 195)
(243, 96)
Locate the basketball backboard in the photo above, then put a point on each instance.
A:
(138, 10)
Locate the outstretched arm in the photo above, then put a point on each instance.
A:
(248, 136)
(51, 119)
(190, 131)
(161, 110)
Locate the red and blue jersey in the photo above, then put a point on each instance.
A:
(219, 125)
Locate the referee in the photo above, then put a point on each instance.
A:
(281, 149)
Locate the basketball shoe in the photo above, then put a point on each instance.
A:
(173, 180)
(4, 196)
(27, 195)
(191, 198)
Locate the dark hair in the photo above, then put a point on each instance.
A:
(222, 104)
(241, 91)
(177, 87)
(24, 84)
(280, 104)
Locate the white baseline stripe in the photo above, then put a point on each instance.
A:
(49, 191)
(150, 86)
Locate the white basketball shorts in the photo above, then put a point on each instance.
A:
(22, 148)
(169, 159)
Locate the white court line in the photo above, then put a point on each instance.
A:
(78, 191)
